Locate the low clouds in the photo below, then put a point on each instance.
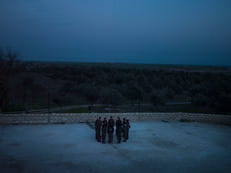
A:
(114, 31)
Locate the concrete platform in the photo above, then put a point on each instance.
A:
(153, 147)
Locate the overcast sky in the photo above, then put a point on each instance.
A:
(135, 31)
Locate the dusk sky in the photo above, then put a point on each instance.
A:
(194, 32)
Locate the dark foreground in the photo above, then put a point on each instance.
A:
(152, 147)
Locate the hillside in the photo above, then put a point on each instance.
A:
(125, 87)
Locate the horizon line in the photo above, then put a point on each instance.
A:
(130, 63)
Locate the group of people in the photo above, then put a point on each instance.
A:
(102, 128)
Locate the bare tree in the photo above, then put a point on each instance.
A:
(8, 62)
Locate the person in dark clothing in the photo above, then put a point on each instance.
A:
(118, 129)
(98, 124)
(124, 121)
(104, 130)
(111, 123)
(123, 128)
(128, 127)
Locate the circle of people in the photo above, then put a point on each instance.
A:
(107, 127)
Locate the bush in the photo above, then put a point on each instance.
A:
(13, 108)
(200, 100)
(156, 100)
(184, 120)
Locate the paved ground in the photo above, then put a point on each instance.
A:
(153, 147)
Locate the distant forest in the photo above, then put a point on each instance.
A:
(35, 85)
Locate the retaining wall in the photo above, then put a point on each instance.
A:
(53, 118)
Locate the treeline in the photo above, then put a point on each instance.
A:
(39, 85)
